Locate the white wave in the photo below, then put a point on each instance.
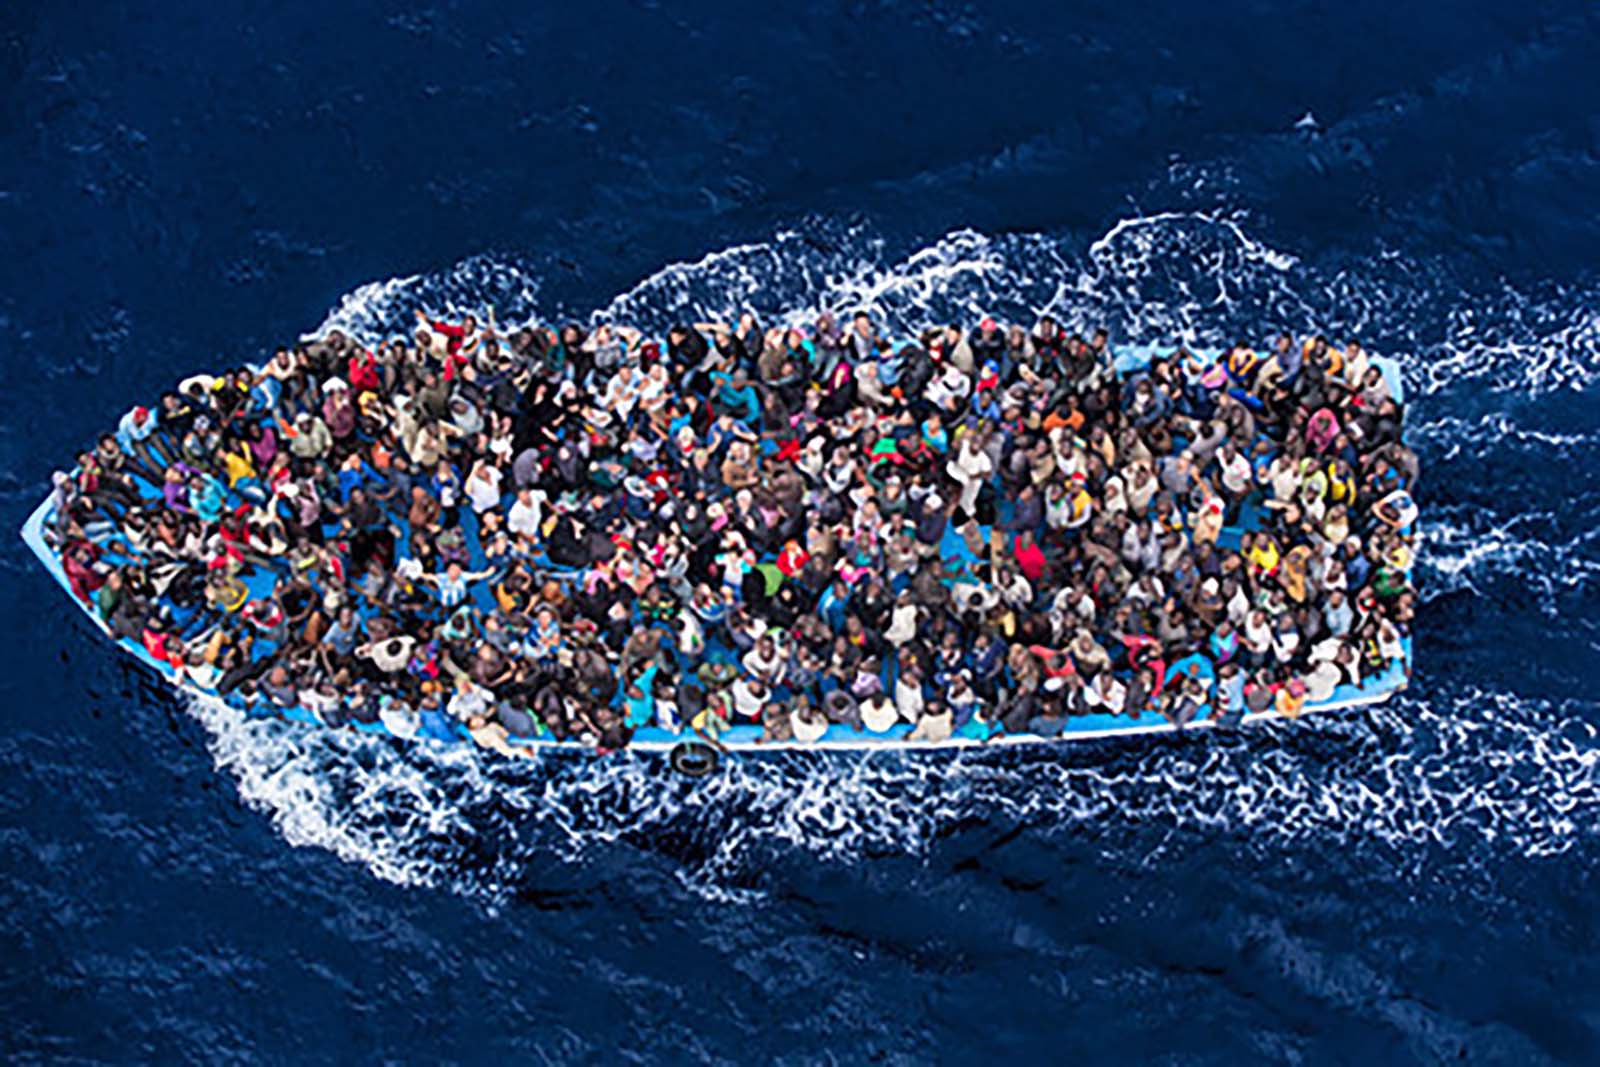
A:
(1447, 436)
(1201, 277)
(382, 309)
(1190, 275)
(1512, 343)
(1486, 770)
(1468, 547)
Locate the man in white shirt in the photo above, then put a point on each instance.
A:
(527, 513)
(970, 466)
(1236, 473)
(749, 698)
(483, 487)
(949, 388)
(470, 700)
(1107, 694)
(765, 662)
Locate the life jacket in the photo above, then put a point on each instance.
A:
(1289, 703)
(268, 617)
(792, 559)
(1341, 487)
(1242, 363)
(363, 372)
(1267, 559)
(155, 643)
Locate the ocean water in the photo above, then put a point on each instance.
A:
(1410, 884)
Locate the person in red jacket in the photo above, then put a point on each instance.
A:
(460, 341)
(78, 561)
(1030, 558)
(363, 372)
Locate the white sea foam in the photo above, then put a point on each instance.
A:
(1447, 765)
(383, 309)
(1447, 436)
(1482, 769)
(1514, 344)
(1467, 547)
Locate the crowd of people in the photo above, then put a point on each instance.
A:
(569, 533)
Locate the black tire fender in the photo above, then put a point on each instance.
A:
(693, 759)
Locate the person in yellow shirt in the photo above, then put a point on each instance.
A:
(1261, 552)
(1341, 482)
(237, 463)
(1294, 573)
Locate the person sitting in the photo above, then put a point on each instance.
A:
(808, 526)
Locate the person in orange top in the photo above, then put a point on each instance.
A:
(1068, 415)
(1291, 698)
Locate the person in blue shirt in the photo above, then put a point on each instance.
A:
(988, 664)
(1223, 642)
(890, 365)
(136, 437)
(544, 637)
(453, 584)
(737, 396)
(1356, 565)
(353, 474)
(207, 497)
(445, 485)
(136, 426)
(638, 697)
(1230, 693)
(986, 403)
(1291, 359)
(834, 604)
(345, 633)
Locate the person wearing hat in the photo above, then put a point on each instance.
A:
(338, 411)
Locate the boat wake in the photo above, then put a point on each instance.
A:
(1467, 770)
(1455, 764)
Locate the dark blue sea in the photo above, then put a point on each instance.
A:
(183, 184)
